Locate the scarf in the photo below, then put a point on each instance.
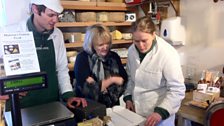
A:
(103, 67)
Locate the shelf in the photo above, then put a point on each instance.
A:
(71, 65)
(98, 7)
(82, 5)
(73, 45)
(79, 44)
(84, 24)
(122, 41)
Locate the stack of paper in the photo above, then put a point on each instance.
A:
(121, 116)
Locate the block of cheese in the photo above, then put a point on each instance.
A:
(122, 52)
(116, 35)
(102, 16)
(72, 36)
(85, 16)
(127, 36)
(117, 16)
(83, 37)
(71, 53)
(72, 59)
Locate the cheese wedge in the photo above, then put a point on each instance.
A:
(117, 35)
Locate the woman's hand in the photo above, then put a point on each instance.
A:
(90, 80)
(77, 101)
(117, 80)
(153, 119)
(130, 106)
(111, 80)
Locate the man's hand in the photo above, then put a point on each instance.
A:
(4, 97)
(153, 119)
(79, 101)
(130, 105)
(22, 94)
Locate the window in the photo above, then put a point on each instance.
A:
(2, 13)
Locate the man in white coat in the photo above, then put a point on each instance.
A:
(51, 54)
(155, 87)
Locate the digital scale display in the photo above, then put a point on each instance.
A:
(21, 83)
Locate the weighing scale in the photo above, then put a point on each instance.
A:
(13, 85)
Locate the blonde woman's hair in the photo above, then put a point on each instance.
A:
(95, 33)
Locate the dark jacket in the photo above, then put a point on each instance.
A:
(82, 71)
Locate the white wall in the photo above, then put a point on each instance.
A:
(16, 10)
(204, 23)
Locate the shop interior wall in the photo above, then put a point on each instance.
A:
(16, 10)
(203, 20)
(204, 49)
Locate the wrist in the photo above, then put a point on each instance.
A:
(162, 112)
(109, 81)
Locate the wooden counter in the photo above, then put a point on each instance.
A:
(190, 112)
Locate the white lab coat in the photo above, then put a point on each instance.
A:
(157, 81)
(60, 54)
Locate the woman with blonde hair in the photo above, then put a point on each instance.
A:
(98, 71)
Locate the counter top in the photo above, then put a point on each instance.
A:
(190, 112)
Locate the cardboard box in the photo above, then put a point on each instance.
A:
(204, 97)
(121, 116)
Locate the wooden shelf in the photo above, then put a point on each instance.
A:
(93, 6)
(105, 6)
(122, 41)
(73, 45)
(84, 24)
(79, 44)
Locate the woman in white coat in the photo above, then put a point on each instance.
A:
(155, 87)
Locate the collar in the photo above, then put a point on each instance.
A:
(142, 55)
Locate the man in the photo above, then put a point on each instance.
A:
(51, 55)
